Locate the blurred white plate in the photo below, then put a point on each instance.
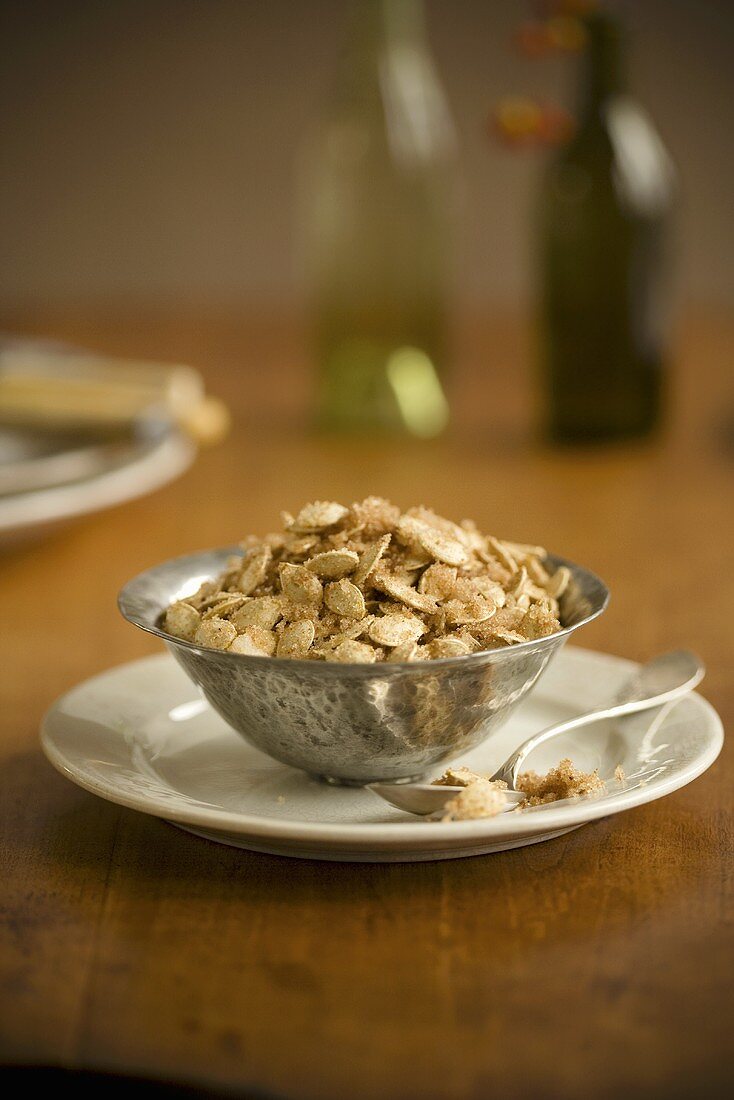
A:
(141, 736)
(68, 485)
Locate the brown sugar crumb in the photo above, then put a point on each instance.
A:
(480, 798)
(457, 777)
(563, 781)
(375, 516)
(484, 797)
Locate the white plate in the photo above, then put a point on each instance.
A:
(147, 468)
(140, 735)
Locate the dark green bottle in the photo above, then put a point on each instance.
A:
(605, 221)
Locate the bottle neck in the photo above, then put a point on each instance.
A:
(602, 67)
(378, 24)
(377, 31)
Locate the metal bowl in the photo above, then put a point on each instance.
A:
(360, 723)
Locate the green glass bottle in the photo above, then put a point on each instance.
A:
(378, 213)
(605, 220)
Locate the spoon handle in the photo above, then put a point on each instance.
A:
(508, 772)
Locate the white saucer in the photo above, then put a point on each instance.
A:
(140, 735)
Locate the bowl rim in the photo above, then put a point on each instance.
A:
(129, 596)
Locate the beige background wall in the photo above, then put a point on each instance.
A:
(149, 145)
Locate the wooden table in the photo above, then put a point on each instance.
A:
(598, 964)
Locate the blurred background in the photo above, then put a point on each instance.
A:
(505, 224)
(150, 146)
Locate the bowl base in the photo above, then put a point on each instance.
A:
(337, 781)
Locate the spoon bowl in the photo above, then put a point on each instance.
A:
(428, 798)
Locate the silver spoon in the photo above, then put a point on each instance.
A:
(662, 680)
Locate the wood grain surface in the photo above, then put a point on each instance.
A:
(598, 964)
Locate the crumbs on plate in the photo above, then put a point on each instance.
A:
(563, 781)
(482, 797)
(479, 798)
(370, 583)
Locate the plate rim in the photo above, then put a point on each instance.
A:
(162, 464)
(385, 834)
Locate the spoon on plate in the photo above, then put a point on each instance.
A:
(662, 680)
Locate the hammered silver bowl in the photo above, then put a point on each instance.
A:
(360, 723)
